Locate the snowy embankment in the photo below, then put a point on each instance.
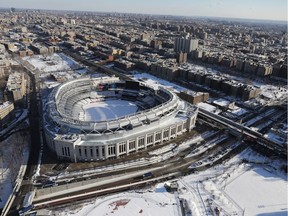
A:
(237, 188)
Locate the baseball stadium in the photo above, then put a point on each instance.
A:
(90, 119)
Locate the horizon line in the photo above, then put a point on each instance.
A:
(174, 15)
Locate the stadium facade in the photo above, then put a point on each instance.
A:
(160, 116)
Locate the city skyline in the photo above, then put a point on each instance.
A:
(247, 9)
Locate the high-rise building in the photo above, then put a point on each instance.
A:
(185, 45)
(181, 57)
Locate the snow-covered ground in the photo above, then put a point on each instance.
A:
(156, 201)
(232, 188)
(237, 188)
(259, 192)
(147, 203)
(109, 109)
(14, 152)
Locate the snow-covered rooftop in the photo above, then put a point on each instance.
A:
(55, 62)
(155, 82)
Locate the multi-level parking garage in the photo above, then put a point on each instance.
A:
(92, 119)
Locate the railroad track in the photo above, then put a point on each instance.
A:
(171, 170)
(98, 192)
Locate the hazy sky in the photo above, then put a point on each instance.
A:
(252, 9)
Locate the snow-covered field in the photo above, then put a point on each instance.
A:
(156, 201)
(260, 192)
(107, 110)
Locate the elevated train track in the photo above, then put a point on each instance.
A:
(238, 129)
